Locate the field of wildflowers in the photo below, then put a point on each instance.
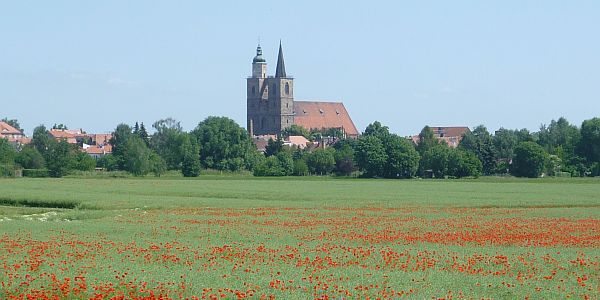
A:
(299, 239)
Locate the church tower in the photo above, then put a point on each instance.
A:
(270, 100)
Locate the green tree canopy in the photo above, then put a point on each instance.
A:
(273, 146)
(190, 166)
(167, 141)
(295, 130)
(462, 164)
(402, 158)
(321, 161)
(58, 158)
(480, 142)
(40, 139)
(371, 156)
(529, 161)
(344, 156)
(7, 152)
(30, 158)
(427, 140)
(376, 129)
(590, 140)
(136, 156)
(435, 160)
(119, 140)
(223, 144)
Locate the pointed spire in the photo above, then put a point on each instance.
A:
(280, 70)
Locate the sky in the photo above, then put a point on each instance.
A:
(407, 64)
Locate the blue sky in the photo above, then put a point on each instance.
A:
(94, 64)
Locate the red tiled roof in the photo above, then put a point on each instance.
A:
(323, 115)
(99, 138)
(297, 140)
(454, 131)
(451, 135)
(106, 149)
(61, 134)
(6, 129)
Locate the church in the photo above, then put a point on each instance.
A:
(271, 106)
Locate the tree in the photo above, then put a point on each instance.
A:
(7, 152)
(462, 164)
(40, 139)
(223, 144)
(371, 156)
(505, 141)
(427, 140)
(300, 167)
(7, 158)
(167, 141)
(481, 143)
(435, 160)
(286, 162)
(58, 158)
(190, 166)
(119, 140)
(529, 161)
(108, 162)
(562, 139)
(295, 130)
(136, 156)
(157, 164)
(377, 130)
(59, 126)
(81, 161)
(281, 164)
(143, 134)
(402, 158)
(344, 157)
(269, 167)
(30, 158)
(590, 140)
(273, 146)
(321, 161)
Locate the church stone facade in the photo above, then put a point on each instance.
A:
(271, 107)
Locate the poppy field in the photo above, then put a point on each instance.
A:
(244, 238)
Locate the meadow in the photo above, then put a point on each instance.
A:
(234, 236)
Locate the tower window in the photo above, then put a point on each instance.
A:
(287, 88)
(253, 90)
(274, 89)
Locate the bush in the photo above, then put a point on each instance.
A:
(269, 167)
(300, 167)
(7, 170)
(595, 169)
(30, 158)
(36, 173)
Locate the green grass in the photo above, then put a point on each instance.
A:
(103, 227)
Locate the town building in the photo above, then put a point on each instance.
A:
(10, 133)
(13, 135)
(451, 135)
(271, 106)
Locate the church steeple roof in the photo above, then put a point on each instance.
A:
(258, 58)
(280, 70)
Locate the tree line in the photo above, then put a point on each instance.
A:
(557, 149)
